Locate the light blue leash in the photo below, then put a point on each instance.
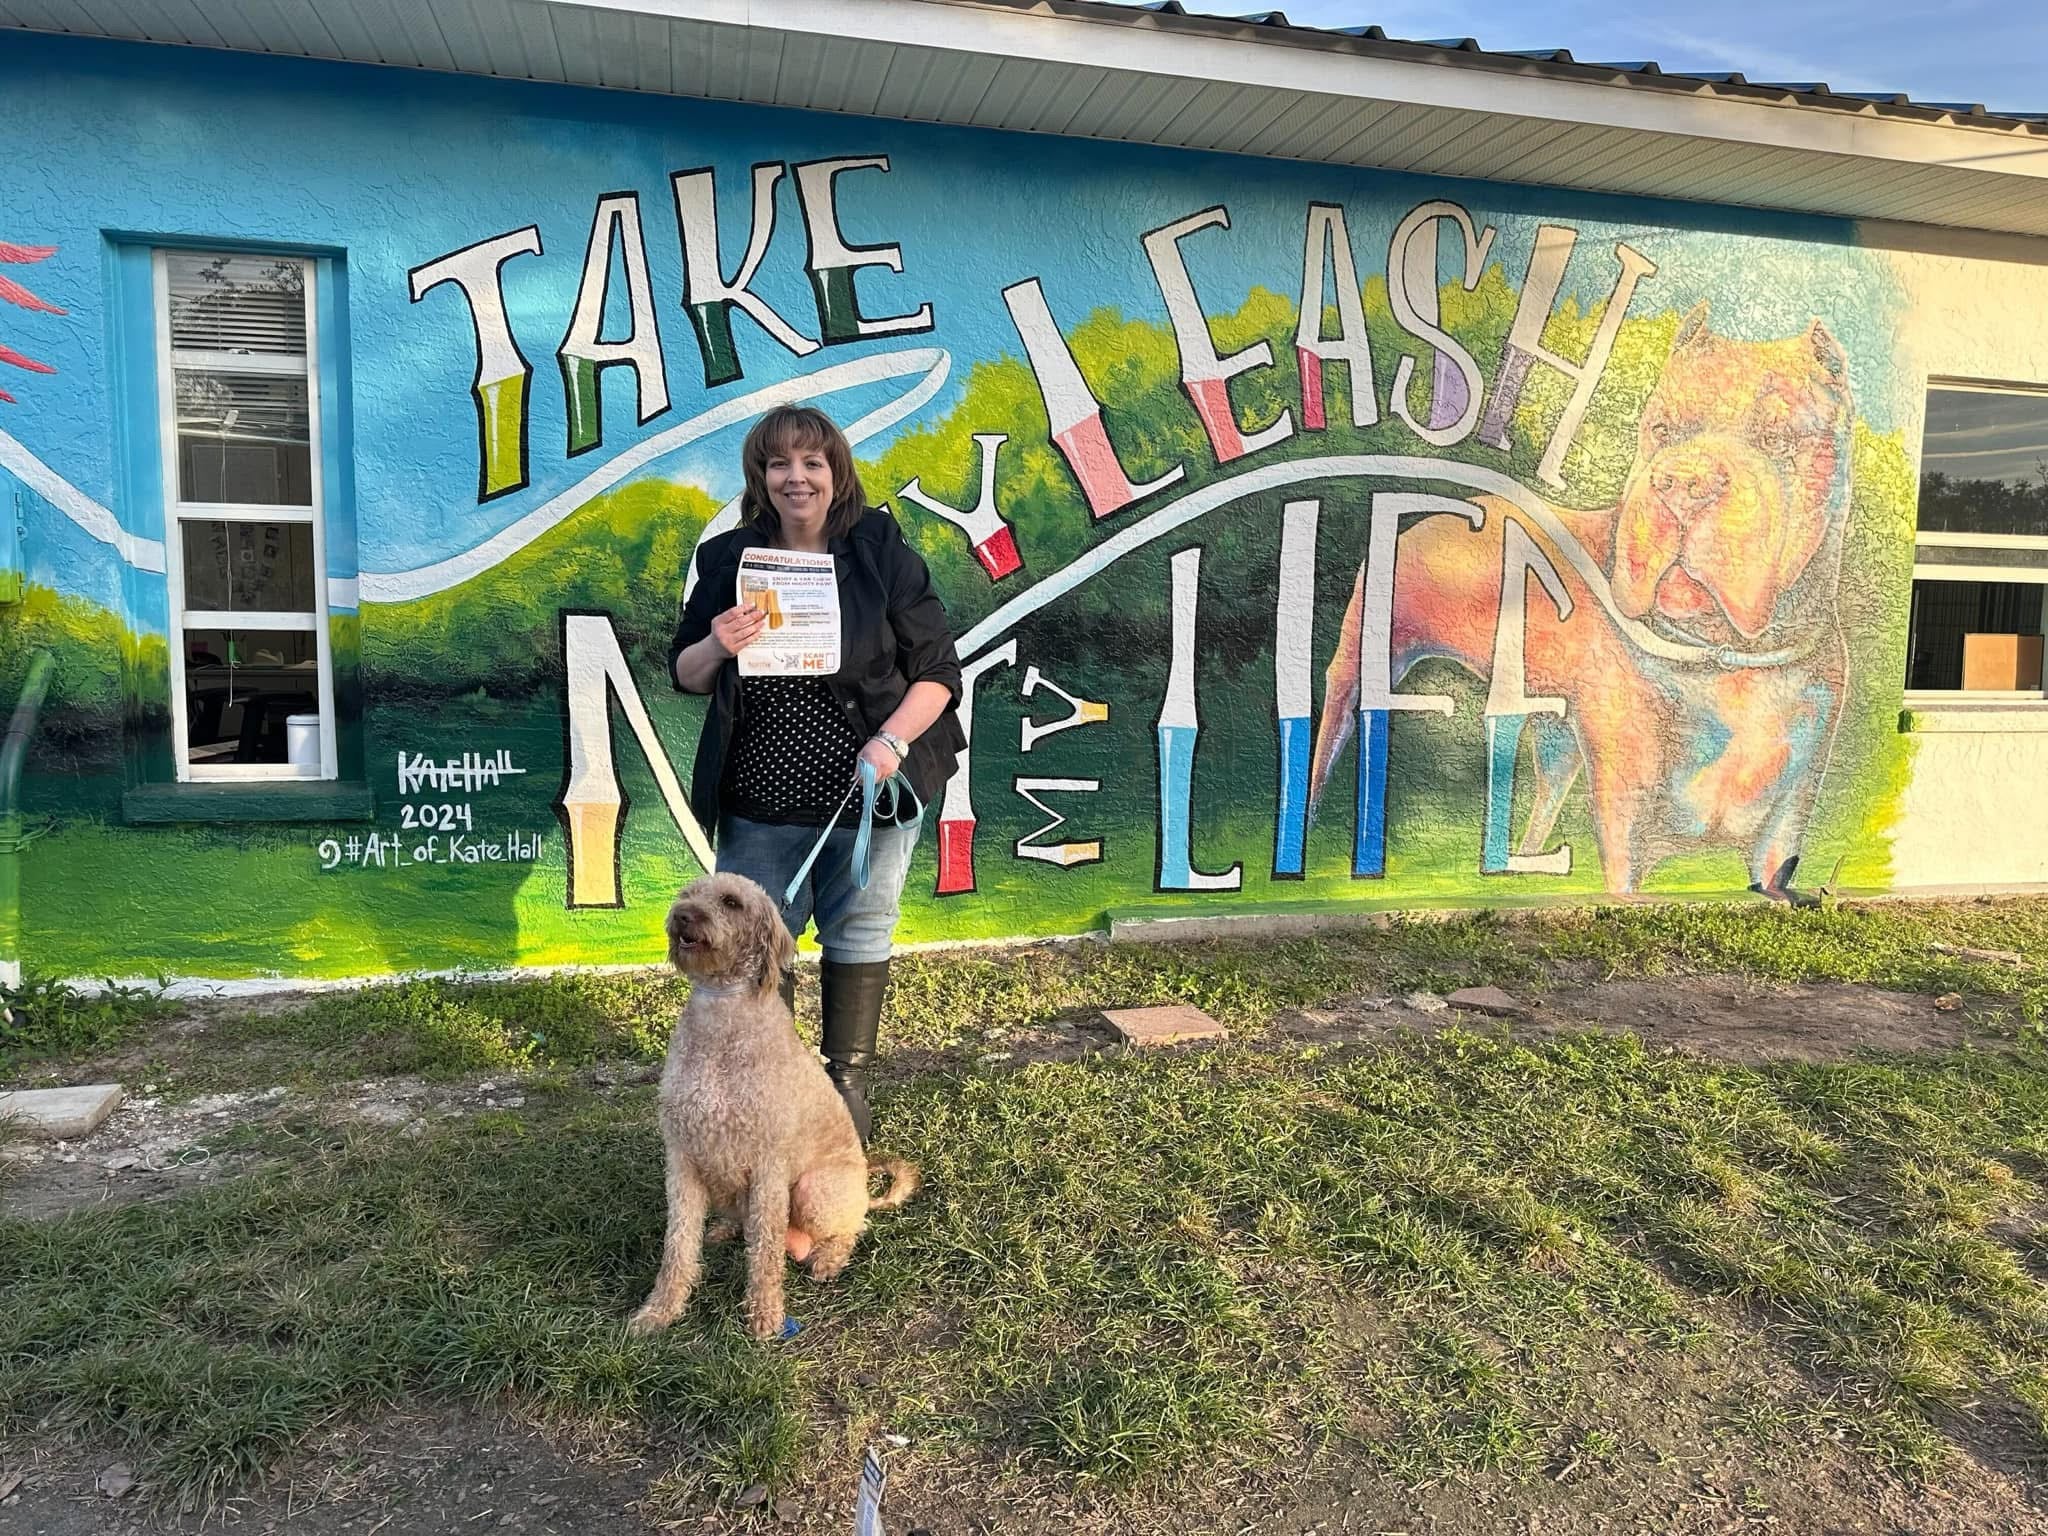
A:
(870, 788)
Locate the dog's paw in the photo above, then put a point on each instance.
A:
(647, 1322)
(765, 1323)
(723, 1229)
(829, 1260)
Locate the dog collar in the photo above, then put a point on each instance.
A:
(712, 989)
(1736, 661)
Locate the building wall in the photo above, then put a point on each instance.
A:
(1564, 551)
(1966, 819)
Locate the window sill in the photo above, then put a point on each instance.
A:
(1960, 713)
(274, 800)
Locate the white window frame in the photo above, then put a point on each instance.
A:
(178, 512)
(1927, 564)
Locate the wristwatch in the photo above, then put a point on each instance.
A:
(894, 743)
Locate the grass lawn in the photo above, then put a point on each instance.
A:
(1402, 1253)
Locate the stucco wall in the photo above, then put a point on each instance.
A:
(1597, 586)
(1968, 816)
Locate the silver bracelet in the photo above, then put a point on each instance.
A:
(894, 743)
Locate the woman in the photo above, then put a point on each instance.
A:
(778, 754)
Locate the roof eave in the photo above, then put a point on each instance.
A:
(1265, 87)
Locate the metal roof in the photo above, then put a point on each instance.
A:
(1813, 93)
(1252, 85)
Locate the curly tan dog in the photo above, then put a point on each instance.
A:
(751, 1125)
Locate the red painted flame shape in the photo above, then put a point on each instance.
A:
(14, 293)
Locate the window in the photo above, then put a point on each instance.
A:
(252, 677)
(1980, 565)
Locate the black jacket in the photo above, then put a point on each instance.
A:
(893, 632)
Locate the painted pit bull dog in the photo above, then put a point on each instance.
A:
(1702, 664)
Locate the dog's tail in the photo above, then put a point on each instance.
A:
(903, 1182)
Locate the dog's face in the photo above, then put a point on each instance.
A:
(725, 930)
(1741, 475)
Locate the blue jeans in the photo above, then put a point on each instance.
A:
(855, 926)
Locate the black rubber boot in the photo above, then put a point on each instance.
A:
(853, 1016)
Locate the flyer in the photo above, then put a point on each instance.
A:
(800, 594)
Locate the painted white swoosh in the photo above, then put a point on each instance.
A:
(143, 554)
(1184, 510)
(932, 362)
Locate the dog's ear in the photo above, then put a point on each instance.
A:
(1692, 328)
(1828, 353)
(778, 953)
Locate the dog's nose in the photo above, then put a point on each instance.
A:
(1688, 483)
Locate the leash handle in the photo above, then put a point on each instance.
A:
(871, 788)
(870, 792)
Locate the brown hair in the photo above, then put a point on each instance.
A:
(791, 427)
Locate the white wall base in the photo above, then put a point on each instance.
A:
(1972, 815)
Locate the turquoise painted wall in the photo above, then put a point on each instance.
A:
(1563, 549)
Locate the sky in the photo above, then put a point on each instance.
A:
(1960, 50)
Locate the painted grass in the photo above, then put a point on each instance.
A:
(81, 882)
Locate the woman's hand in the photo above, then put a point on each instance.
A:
(737, 628)
(885, 762)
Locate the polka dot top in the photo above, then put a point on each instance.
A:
(794, 754)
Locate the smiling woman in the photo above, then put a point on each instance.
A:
(780, 756)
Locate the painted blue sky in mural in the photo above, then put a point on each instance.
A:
(1989, 51)
(519, 171)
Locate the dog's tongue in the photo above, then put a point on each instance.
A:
(1646, 546)
(1741, 560)
(1682, 597)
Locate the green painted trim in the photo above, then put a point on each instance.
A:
(170, 804)
(1190, 905)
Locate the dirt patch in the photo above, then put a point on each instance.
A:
(1710, 1441)
(1732, 1019)
(1721, 1018)
(153, 1148)
(418, 1473)
(147, 1149)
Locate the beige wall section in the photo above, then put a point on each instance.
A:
(1971, 816)
(1972, 811)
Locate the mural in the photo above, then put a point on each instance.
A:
(1311, 536)
(12, 292)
